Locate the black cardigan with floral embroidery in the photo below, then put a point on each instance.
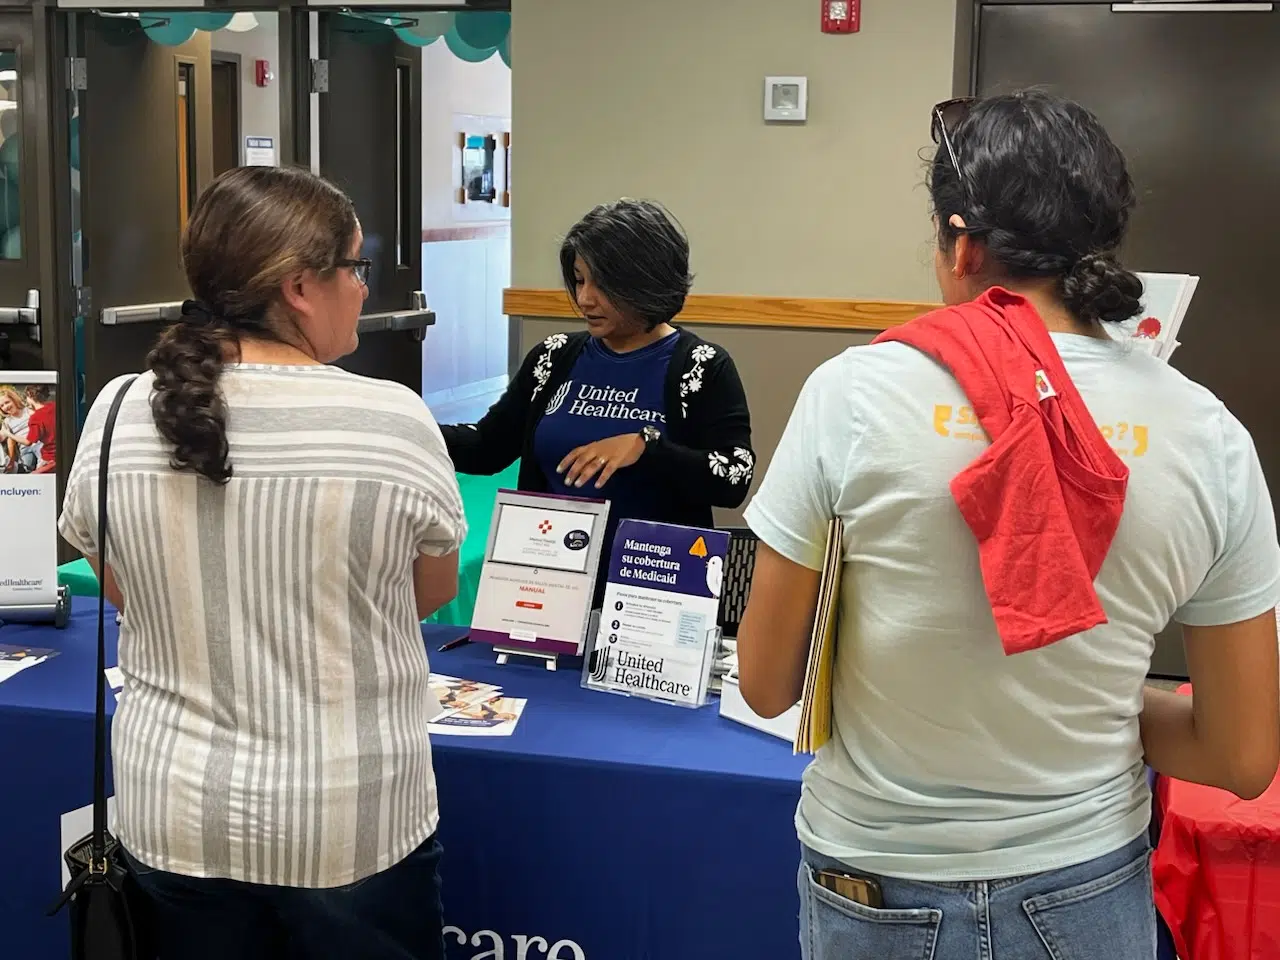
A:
(703, 460)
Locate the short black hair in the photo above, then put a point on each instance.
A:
(638, 257)
(1048, 191)
(39, 392)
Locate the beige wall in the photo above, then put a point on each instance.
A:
(663, 99)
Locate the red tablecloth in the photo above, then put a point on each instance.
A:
(1217, 871)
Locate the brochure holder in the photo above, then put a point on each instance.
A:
(659, 634)
(539, 576)
(29, 589)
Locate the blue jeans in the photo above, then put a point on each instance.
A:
(1099, 910)
(393, 915)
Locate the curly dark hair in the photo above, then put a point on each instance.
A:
(250, 229)
(1048, 191)
(638, 256)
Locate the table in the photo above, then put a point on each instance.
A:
(477, 500)
(677, 823)
(1217, 870)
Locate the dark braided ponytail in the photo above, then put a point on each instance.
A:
(252, 229)
(1048, 192)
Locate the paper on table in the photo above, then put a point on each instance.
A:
(454, 694)
(13, 660)
(815, 705)
(496, 717)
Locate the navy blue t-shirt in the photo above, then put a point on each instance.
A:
(607, 394)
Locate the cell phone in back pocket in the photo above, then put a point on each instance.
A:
(858, 889)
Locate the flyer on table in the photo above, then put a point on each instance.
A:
(538, 578)
(657, 629)
(28, 488)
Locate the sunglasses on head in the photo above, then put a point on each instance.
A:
(946, 116)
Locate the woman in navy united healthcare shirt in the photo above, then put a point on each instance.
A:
(632, 409)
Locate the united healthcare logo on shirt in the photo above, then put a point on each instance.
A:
(608, 403)
(557, 398)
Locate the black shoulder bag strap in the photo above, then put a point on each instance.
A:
(108, 913)
(98, 849)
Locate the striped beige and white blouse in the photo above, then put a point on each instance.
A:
(273, 727)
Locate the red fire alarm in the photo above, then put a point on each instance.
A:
(262, 74)
(841, 16)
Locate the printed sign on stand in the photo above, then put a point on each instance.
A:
(539, 574)
(658, 632)
(28, 490)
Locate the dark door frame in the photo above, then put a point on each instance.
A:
(295, 67)
(237, 61)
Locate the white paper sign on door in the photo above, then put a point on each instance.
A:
(259, 151)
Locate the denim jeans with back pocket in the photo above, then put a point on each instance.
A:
(1100, 910)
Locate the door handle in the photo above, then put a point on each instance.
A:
(416, 321)
(25, 316)
(142, 313)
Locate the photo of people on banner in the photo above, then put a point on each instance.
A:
(28, 428)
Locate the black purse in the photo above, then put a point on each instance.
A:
(108, 909)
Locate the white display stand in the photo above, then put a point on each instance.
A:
(539, 576)
(29, 588)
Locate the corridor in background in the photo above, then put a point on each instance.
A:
(466, 210)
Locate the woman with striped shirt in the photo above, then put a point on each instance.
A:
(279, 527)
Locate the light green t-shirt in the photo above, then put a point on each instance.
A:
(950, 760)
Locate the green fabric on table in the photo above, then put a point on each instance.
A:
(79, 576)
(478, 494)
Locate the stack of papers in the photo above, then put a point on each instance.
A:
(454, 694)
(470, 708)
(13, 660)
(495, 717)
(1165, 299)
(815, 705)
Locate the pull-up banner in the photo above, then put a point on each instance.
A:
(28, 489)
(135, 5)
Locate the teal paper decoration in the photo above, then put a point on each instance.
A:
(464, 51)
(481, 29)
(504, 50)
(429, 28)
(169, 30)
(172, 29)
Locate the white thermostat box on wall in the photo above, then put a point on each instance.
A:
(786, 99)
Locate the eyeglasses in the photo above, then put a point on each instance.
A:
(359, 267)
(947, 115)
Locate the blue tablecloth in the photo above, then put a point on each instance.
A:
(613, 829)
